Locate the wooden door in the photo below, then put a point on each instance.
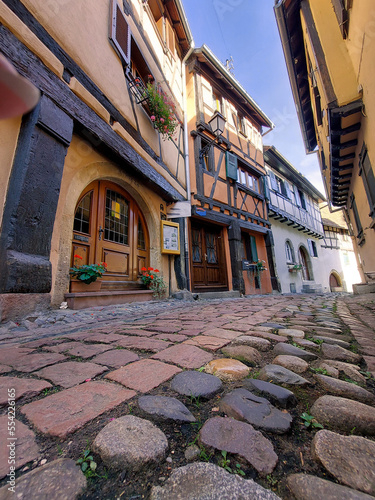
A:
(208, 258)
(109, 227)
(304, 260)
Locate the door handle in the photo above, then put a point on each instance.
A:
(101, 231)
(205, 257)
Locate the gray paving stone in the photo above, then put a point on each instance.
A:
(252, 341)
(281, 375)
(292, 363)
(345, 389)
(197, 384)
(290, 350)
(204, 481)
(274, 393)
(130, 443)
(165, 408)
(339, 353)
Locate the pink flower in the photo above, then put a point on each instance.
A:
(162, 120)
(152, 117)
(88, 380)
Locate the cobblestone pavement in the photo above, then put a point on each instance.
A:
(85, 379)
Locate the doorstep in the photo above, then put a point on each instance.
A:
(81, 300)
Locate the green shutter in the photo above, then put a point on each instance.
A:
(253, 246)
(231, 165)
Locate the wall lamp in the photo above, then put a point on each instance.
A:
(217, 124)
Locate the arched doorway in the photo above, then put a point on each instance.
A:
(334, 282)
(306, 264)
(109, 227)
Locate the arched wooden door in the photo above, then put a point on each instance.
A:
(305, 261)
(334, 281)
(109, 227)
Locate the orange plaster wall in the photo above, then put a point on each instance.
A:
(227, 259)
(266, 286)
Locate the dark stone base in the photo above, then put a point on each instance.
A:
(15, 306)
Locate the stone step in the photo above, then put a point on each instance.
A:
(81, 300)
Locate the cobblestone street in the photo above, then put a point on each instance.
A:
(163, 393)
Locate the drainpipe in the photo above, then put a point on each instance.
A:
(187, 162)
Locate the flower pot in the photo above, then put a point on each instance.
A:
(79, 286)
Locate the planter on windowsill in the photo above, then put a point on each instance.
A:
(78, 286)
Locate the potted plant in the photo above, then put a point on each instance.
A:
(152, 279)
(86, 276)
(260, 265)
(162, 110)
(293, 268)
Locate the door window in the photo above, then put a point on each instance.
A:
(82, 215)
(116, 218)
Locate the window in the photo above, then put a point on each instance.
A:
(249, 247)
(217, 102)
(341, 8)
(302, 199)
(367, 174)
(120, 33)
(353, 206)
(312, 248)
(241, 124)
(139, 66)
(331, 239)
(289, 252)
(207, 160)
(170, 37)
(248, 179)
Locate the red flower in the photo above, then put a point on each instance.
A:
(78, 257)
(156, 270)
(104, 264)
(143, 269)
(151, 277)
(150, 269)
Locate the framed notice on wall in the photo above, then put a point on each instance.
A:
(170, 237)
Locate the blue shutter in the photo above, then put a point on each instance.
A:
(274, 184)
(253, 247)
(231, 164)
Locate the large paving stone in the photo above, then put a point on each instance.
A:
(9, 355)
(57, 480)
(165, 408)
(293, 363)
(65, 412)
(227, 369)
(331, 341)
(5, 369)
(22, 449)
(252, 341)
(243, 405)
(244, 353)
(350, 459)
(274, 393)
(32, 362)
(306, 487)
(240, 438)
(144, 375)
(222, 333)
(204, 481)
(370, 363)
(130, 443)
(71, 373)
(350, 370)
(345, 389)
(196, 384)
(23, 388)
(292, 332)
(343, 414)
(116, 358)
(143, 344)
(291, 350)
(281, 375)
(187, 356)
(339, 353)
(274, 326)
(86, 351)
(268, 336)
(206, 342)
(171, 337)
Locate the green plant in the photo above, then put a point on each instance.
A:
(206, 457)
(87, 463)
(195, 400)
(162, 110)
(272, 480)
(254, 374)
(322, 371)
(260, 264)
(60, 450)
(316, 341)
(88, 273)
(353, 348)
(151, 278)
(225, 462)
(310, 421)
(297, 345)
(347, 379)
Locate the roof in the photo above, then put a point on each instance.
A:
(204, 54)
(180, 24)
(278, 162)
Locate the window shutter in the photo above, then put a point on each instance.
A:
(288, 191)
(231, 164)
(120, 34)
(342, 16)
(274, 185)
(253, 246)
(311, 248)
(296, 194)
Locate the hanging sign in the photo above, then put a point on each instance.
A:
(170, 237)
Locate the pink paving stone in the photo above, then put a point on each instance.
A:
(370, 363)
(62, 347)
(116, 358)
(32, 362)
(136, 332)
(164, 329)
(10, 354)
(87, 351)
(5, 369)
(170, 336)
(222, 333)
(142, 343)
(191, 332)
(26, 448)
(239, 327)
(187, 356)
(77, 335)
(144, 375)
(268, 336)
(211, 343)
(23, 387)
(65, 412)
(71, 373)
(42, 342)
(105, 338)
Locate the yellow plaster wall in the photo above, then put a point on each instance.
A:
(84, 165)
(9, 130)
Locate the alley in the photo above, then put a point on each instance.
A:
(154, 397)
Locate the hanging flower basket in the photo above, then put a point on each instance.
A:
(293, 268)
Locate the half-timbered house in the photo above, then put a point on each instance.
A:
(229, 228)
(86, 176)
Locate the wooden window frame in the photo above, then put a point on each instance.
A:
(341, 8)
(367, 173)
(114, 26)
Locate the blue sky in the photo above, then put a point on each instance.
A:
(247, 31)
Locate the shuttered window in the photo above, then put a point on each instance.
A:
(231, 164)
(367, 174)
(273, 180)
(120, 34)
(253, 248)
(341, 11)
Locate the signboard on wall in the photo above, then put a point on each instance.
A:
(170, 237)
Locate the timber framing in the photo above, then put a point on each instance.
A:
(30, 66)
